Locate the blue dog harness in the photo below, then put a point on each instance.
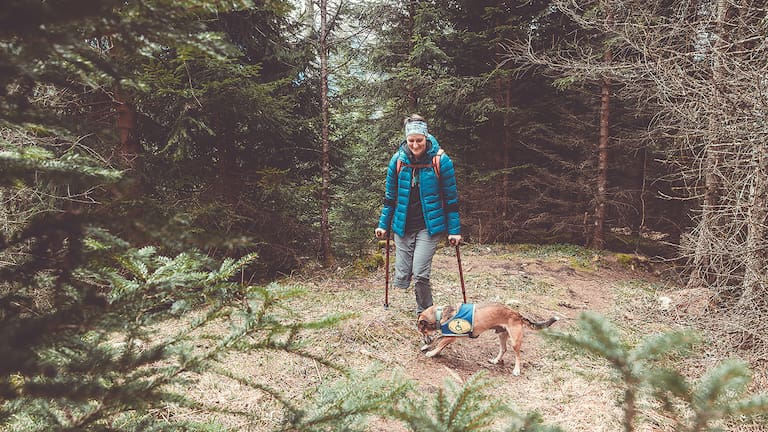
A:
(460, 324)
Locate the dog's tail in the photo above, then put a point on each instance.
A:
(540, 325)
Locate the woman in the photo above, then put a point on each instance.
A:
(421, 206)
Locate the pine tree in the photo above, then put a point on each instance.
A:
(232, 141)
(84, 314)
(693, 69)
(469, 407)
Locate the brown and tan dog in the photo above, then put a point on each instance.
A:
(492, 316)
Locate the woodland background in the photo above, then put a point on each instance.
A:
(160, 155)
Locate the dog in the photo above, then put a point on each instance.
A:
(449, 323)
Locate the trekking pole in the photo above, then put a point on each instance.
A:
(461, 273)
(386, 275)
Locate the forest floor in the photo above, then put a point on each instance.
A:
(566, 388)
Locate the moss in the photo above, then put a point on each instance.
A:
(369, 263)
(624, 259)
(633, 261)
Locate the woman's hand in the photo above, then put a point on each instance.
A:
(454, 239)
(381, 233)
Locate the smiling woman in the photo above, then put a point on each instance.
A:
(421, 206)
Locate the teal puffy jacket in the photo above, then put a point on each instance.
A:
(439, 197)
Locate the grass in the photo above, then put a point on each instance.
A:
(568, 388)
(577, 256)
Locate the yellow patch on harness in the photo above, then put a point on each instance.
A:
(460, 326)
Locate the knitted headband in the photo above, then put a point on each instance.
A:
(416, 127)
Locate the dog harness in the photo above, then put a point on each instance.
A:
(460, 324)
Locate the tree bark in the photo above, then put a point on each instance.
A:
(413, 98)
(325, 200)
(598, 235)
(701, 272)
(638, 221)
(507, 146)
(227, 165)
(129, 147)
(757, 216)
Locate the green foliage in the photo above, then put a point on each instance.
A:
(231, 140)
(721, 394)
(370, 262)
(98, 334)
(86, 346)
(24, 165)
(453, 408)
(55, 47)
(346, 404)
(220, 97)
(467, 407)
(112, 340)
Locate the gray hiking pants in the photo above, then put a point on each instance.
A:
(413, 261)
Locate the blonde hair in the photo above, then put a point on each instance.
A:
(413, 117)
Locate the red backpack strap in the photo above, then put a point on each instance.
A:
(436, 162)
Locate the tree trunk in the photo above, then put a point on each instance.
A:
(227, 165)
(129, 148)
(325, 201)
(701, 272)
(757, 216)
(507, 146)
(598, 235)
(638, 220)
(413, 99)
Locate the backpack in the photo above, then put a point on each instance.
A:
(435, 164)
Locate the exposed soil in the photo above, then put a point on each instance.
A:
(566, 388)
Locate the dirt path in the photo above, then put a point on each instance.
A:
(566, 390)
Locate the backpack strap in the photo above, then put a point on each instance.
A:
(435, 164)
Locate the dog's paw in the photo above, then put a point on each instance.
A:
(496, 361)
(425, 347)
(432, 353)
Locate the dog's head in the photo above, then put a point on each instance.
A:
(426, 327)
(427, 322)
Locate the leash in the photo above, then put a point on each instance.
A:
(461, 274)
(386, 276)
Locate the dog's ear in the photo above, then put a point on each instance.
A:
(422, 324)
(425, 325)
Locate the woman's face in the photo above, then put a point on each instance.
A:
(418, 144)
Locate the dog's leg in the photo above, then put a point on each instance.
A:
(442, 343)
(503, 336)
(517, 342)
(428, 341)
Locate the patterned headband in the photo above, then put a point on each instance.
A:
(416, 127)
